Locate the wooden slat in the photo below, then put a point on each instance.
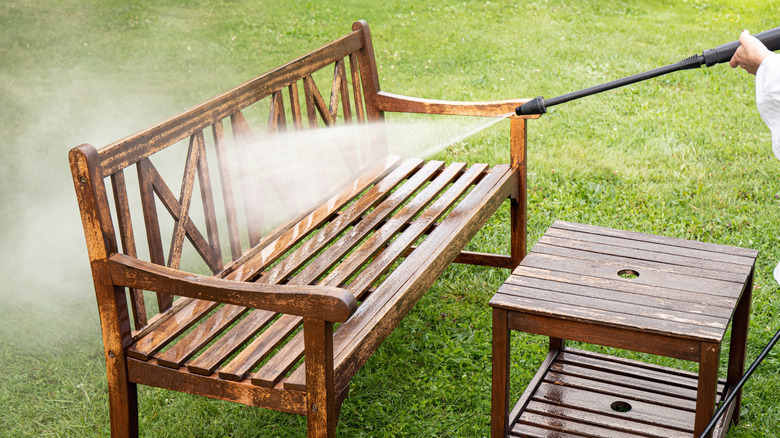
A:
(253, 353)
(335, 92)
(381, 176)
(314, 97)
(325, 236)
(134, 148)
(680, 251)
(207, 201)
(227, 190)
(638, 259)
(243, 140)
(607, 301)
(187, 186)
(356, 91)
(127, 238)
(647, 275)
(533, 431)
(170, 329)
(603, 317)
(173, 206)
(283, 361)
(148, 373)
(748, 254)
(209, 360)
(175, 356)
(622, 289)
(295, 106)
(382, 311)
(346, 108)
(152, 224)
(383, 261)
(379, 239)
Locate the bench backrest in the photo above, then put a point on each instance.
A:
(201, 132)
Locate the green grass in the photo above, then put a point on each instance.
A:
(685, 155)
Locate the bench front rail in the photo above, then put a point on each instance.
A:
(259, 328)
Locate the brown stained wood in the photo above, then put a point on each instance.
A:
(244, 139)
(647, 275)
(174, 207)
(346, 110)
(132, 149)
(518, 209)
(532, 431)
(532, 386)
(369, 76)
(187, 186)
(148, 373)
(127, 238)
(627, 290)
(276, 118)
(383, 261)
(708, 378)
(556, 425)
(623, 423)
(688, 256)
(283, 361)
(325, 236)
(320, 382)
(114, 319)
(484, 259)
(404, 104)
(335, 90)
(207, 200)
(152, 224)
(258, 349)
(175, 356)
(393, 299)
(501, 348)
(382, 176)
(212, 357)
(600, 300)
(295, 106)
(621, 328)
(382, 236)
(356, 91)
(738, 345)
(748, 254)
(160, 318)
(153, 342)
(227, 189)
(329, 303)
(317, 102)
(639, 259)
(311, 107)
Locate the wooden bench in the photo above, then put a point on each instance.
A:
(361, 259)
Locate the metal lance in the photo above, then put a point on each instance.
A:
(710, 57)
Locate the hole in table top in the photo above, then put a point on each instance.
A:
(620, 406)
(628, 274)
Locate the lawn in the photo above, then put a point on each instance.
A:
(685, 155)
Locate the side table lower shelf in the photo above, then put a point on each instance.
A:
(578, 393)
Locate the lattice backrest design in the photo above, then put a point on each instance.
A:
(219, 134)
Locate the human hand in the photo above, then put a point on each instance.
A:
(750, 54)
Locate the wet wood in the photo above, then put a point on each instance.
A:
(632, 291)
(404, 104)
(237, 335)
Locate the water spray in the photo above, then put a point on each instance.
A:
(710, 57)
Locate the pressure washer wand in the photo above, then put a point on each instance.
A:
(710, 57)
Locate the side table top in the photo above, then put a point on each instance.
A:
(604, 276)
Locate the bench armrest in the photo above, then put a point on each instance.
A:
(404, 104)
(319, 302)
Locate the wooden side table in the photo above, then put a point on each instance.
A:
(633, 291)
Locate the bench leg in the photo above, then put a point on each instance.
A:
(122, 401)
(320, 385)
(499, 420)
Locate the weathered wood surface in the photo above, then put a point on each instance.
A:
(259, 331)
(685, 289)
(574, 392)
(633, 291)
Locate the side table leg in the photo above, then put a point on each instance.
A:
(707, 388)
(499, 420)
(739, 334)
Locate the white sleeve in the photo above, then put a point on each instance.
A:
(768, 97)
